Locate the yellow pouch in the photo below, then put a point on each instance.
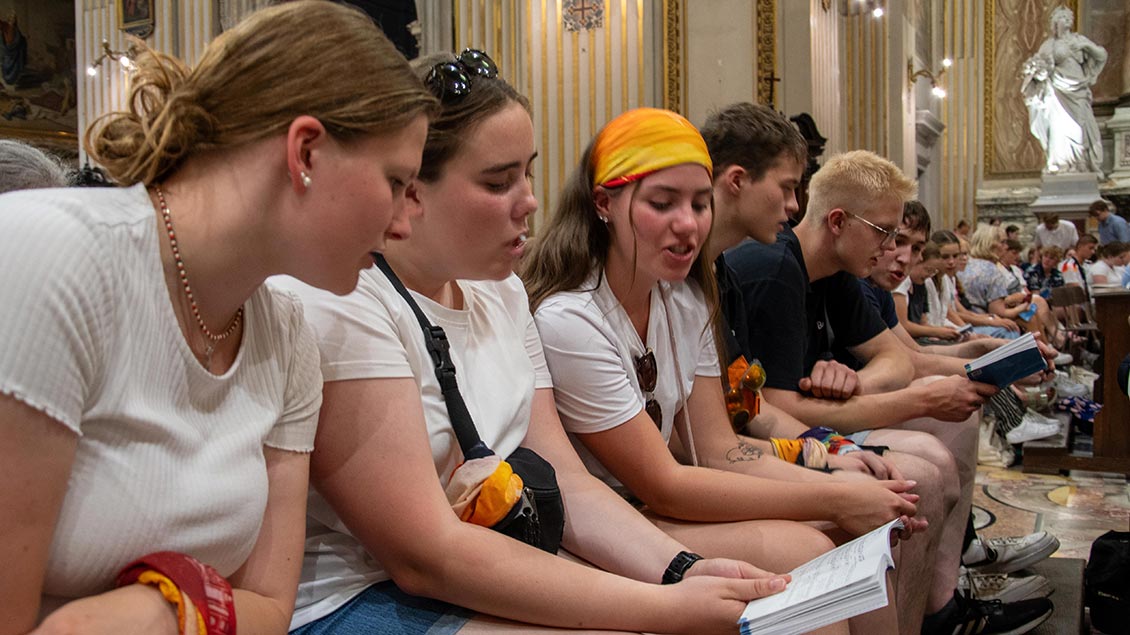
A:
(483, 491)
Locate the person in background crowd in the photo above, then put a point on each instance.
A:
(1045, 276)
(1112, 227)
(1055, 232)
(1010, 258)
(1075, 267)
(25, 167)
(962, 229)
(158, 402)
(1104, 271)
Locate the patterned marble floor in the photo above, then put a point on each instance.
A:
(1077, 509)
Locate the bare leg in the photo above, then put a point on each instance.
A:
(917, 564)
(952, 448)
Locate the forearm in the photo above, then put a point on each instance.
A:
(708, 494)
(773, 422)
(926, 364)
(756, 458)
(497, 575)
(885, 373)
(968, 350)
(922, 330)
(862, 412)
(258, 614)
(597, 516)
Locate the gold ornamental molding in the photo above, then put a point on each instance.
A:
(673, 55)
(766, 12)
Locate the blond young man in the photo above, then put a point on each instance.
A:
(800, 299)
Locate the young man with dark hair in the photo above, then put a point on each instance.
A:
(1112, 227)
(1012, 232)
(800, 296)
(1053, 231)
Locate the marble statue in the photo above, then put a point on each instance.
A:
(1056, 84)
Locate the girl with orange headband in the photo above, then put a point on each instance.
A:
(624, 302)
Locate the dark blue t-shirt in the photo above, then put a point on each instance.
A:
(789, 323)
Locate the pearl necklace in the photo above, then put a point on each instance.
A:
(213, 338)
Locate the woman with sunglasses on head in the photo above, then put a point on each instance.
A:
(158, 402)
(386, 551)
(624, 301)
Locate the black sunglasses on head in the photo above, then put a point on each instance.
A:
(452, 80)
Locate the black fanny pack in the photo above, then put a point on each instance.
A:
(538, 516)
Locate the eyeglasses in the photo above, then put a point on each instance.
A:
(889, 235)
(452, 80)
(647, 373)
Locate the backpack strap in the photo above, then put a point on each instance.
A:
(435, 339)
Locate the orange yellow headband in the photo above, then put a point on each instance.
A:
(643, 141)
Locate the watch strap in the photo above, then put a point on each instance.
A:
(679, 565)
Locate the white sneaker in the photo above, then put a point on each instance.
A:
(1004, 587)
(1010, 553)
(1033, 426)
(1065, 386)
(1063, 359)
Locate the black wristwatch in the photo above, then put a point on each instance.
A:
(679, 565)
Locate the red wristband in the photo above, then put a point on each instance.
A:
(208, 590)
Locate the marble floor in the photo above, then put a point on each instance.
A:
(1076, 508)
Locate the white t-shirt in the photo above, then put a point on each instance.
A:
(591, 347)
(1063, 236)
(1100, 268)
(372, 333)
(938, 303)
(169, 456)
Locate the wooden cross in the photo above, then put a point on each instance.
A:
(771, 78)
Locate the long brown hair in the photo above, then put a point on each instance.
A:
(307, 57)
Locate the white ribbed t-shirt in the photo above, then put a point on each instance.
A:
(169, 456)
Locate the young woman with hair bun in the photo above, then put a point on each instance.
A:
(158, 402)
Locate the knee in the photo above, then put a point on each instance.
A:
(936, 497)
(805, 543)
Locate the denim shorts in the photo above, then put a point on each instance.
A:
(385, 609)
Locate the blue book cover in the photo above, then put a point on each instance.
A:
(1013, 361)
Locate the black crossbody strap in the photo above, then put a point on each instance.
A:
(436, 342)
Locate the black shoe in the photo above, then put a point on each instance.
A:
(965, 616)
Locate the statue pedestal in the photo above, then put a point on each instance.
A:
(1119, 127)
(1068, 195)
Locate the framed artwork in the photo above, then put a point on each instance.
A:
(37, 72)
(136, 17)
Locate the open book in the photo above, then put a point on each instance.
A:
(1017, 359)
(845, 582)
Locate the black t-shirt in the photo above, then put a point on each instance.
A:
(790, 324)
(882, 300)
(733, 317)
(916, 303)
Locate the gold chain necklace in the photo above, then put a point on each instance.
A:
(212, 338)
